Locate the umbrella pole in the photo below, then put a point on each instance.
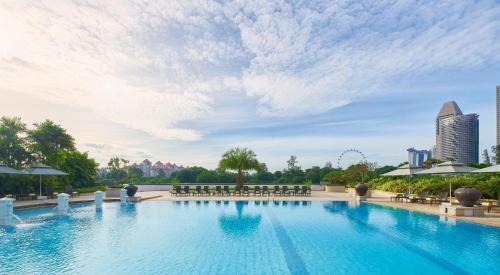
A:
(40, 180)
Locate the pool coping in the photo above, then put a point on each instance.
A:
(486, 220)
(53, 202)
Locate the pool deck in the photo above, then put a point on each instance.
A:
(492, 219)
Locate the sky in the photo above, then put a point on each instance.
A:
(184, 81)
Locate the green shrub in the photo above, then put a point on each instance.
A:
(91, 189)
(489, 185)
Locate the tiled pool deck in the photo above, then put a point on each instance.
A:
(492, 219)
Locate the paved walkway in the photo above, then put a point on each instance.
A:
(81, 199)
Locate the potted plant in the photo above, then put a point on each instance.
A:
(467, 196)
(131, 190)
(361, 189)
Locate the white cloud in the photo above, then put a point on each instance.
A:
(313, 57)
(160, 67)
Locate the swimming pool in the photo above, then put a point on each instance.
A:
(245, 238)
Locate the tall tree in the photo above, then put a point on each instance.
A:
(313, 174)
(13, 144)
(49, 141)
(486, 157)
(81, 169)
(116, 168)
(292, 162)
(495, 158)
(134, 172)
(239, 160)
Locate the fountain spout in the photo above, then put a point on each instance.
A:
(62, 204)
(98, 198)
(123, 196)
(6, 212)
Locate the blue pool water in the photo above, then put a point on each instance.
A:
(245, 238)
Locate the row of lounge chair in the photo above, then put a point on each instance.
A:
(422, 197)
(245, 191)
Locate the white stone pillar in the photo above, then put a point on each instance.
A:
(63, 204)
(98, 198)
(6, 212)
(123, 196)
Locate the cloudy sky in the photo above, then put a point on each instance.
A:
(183, 81)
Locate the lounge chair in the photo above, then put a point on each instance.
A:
(442, 197)
(306, 190)
(246, 191)
(257, 191)
(218, 190)
(68, 189)
(226, 191)
(296, 190)
(177, 191)
(402, 196)
(265, 190)
(277, 190)
(186, 190)
(206, 190)
(422, 197)
(197, 190)
(285, 191)
(490, 204)
(49, 192)
(237, 190)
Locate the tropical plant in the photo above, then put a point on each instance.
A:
(336, 177)
(175, 182)
(239, 160)
(81, 169)
(13, 144)
(49, 141)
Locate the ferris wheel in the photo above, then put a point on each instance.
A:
(358, 155)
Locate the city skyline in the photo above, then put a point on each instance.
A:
(189, 81)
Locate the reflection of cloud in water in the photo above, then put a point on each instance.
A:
(240, 224)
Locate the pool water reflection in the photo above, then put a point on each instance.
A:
(256, 237)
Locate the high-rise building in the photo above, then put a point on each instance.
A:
(457, 135)
(418, 157)
(498, 115)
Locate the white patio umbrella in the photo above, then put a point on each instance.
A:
(404, 170)
(491, 169)
(448, 168)
(41, 169)
(7, 170)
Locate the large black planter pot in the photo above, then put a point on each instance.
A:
(131, 190)
(361, 189)
(467, 196)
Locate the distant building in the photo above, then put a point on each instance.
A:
(457, 135)
(498, 115)
(418, 157)
(158, 169)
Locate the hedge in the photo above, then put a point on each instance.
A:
(488, 184)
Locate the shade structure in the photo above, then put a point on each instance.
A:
(448, 168)
(405, 170)
(491, 169)
(41, 169)
(7, 170)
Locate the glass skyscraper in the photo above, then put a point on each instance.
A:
(457, 135)
(418, 157)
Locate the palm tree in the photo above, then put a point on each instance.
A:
(239, 160)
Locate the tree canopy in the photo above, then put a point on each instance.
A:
(239, 160)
